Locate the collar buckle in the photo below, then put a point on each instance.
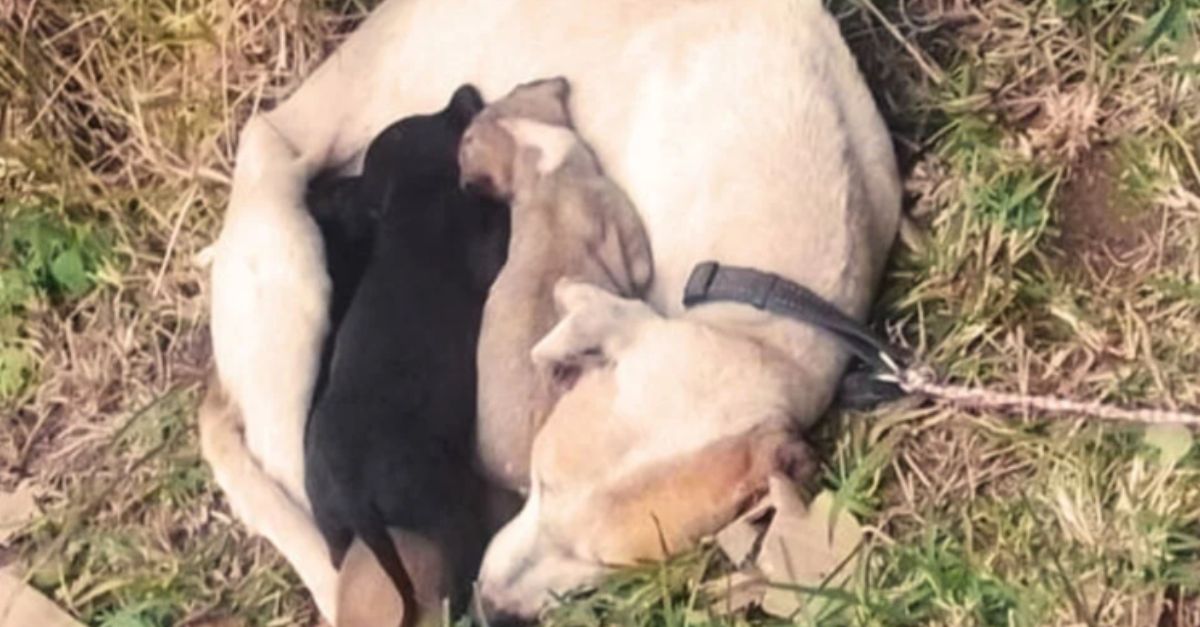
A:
(696, 290)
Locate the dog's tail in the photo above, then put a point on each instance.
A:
(261, 502)
(375, 535)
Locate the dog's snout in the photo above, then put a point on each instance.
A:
(478, 187)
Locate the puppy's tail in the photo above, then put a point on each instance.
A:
(374, 534)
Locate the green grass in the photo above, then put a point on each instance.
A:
(1049, 151)
(45, 260)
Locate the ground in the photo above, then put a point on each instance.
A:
(1049, 153)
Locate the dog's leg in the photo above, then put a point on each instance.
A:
(261, 503)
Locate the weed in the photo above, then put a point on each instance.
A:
(44, 259)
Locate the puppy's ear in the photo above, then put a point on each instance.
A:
(684, 497)
(366, 596)
(624, 252)
(558, 86)
(542, 100)
(465, 104)
(595, 325)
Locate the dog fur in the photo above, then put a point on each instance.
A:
(259, 500)
(623, 465)
(390, 442)
(742, 133)
(568, 220)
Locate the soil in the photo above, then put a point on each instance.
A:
(1098, 226)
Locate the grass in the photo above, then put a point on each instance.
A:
(1049, 150)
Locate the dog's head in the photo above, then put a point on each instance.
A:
(421, 151)
(626, 470)
(494, 154)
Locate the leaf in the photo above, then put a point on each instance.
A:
(806, 549)
(68, 272)
(1171, 441)
(148, 613)
(16, 510)
(24, 605)
(738, 538)
(16, 368)
(734, 592)
(15, 290)
(1166, 21)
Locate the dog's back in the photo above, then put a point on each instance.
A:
(390, 441)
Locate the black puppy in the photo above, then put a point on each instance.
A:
(390, 441)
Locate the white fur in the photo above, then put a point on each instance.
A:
(262, 503)
(553, 142)
(742, 132)
(270, 297)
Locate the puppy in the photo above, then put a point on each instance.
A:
(390, 441)
(568, 220)
(620, 466)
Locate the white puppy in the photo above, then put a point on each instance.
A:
(622, 468)
(742, 133)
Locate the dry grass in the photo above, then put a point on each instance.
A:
(1050, 152)
(117, 122)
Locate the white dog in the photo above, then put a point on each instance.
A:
(742, 132)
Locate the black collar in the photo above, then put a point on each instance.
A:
(712, 282)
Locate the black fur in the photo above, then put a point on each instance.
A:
(390, 442)
(347, 224)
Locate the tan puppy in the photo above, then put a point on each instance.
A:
(568, 220)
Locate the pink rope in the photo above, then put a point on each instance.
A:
(922, 381)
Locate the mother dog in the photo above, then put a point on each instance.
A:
(742, 131)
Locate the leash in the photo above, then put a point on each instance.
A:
(713, 282)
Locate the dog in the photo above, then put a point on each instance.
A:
(390, 442)
(742, 134)
(620, 466)
(568, 220)
(342, 210)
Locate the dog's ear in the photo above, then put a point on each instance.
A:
(543, 100)
(624, 251)
(486, 158)
(465, 104)
(594, 327)
(558, 86)
(675, 500)
(368, 598)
